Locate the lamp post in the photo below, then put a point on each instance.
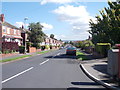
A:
(25, 19)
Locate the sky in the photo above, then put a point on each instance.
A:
(66, 19)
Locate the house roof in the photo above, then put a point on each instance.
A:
(14, 27)
(9, 25)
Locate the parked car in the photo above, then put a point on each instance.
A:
(71, 51)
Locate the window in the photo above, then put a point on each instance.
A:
(19, 33)
(4, 29)
(8, 30)
(14, 31)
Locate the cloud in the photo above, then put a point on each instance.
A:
(79, 36)
(47, 26)
(19, 24)
(58, 1)
(77, 16)
(42, 2)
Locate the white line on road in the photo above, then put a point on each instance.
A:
(56, 55)
(17, 74)
(44, 62)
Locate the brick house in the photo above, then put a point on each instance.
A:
(10, 36)
(9, 33)
(53, 42)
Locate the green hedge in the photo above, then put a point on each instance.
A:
(102, 48)
(51, 46)
(43, 47)
(21, 49)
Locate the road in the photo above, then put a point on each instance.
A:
(50, 70)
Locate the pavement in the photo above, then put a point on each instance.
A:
(96, 69)
(51, 70)
(13, 55)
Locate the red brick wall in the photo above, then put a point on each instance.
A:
(32, 49)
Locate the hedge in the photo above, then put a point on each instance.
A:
(102, 48)
(21, 49)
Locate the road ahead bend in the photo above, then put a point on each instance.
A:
(50, 70)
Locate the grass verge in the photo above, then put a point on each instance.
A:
(81, 56)
(43, 52)
(12, 59)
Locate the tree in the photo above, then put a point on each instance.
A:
(107, 28)
(52, 36)
(36, 35)
(71, 42)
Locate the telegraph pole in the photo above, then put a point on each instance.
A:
(25, 19)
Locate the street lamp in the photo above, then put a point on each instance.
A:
(25, 19)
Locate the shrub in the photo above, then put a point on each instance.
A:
(9, 46)
(47, 47)
(28, 44)
(102, 48)
(6, 51)
(0, 52)
(21, 49)
(51, 46)
(37, 45)
(43, 47)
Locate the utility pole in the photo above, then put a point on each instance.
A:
(25, 19)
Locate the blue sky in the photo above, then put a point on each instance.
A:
(66, 20)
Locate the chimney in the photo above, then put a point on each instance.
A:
(2, 18)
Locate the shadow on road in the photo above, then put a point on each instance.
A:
(84, 83)
(74, 88)
(62, 56)
(70, 88)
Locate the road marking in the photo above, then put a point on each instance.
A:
(56, 55)
(17, 74)
(44, 62)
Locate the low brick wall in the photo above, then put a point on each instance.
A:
(38, 50)
(32, 49)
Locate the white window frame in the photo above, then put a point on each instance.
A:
(8, 30)
(15, 32)
(4, 29)
(19, 33)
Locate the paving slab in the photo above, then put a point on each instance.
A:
(97, 70)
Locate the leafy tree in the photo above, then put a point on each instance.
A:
(107, 28)
(52, 36)
(35, 34)
(71, 42)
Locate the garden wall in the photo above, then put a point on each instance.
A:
(32, 49)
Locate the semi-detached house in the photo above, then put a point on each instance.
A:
(9, 33)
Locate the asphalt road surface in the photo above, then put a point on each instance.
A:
(51, 70)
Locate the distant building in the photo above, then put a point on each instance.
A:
(52, 42)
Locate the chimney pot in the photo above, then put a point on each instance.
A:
(2, 17)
